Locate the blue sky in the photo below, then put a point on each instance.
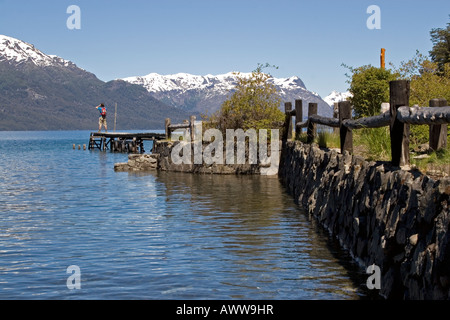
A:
(309, 39)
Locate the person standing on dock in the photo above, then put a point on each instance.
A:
(102, 120)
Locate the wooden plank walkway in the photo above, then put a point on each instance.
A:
(122, 141)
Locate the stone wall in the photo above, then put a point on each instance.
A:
(161, 159)
(395, 219)
(164, 150)
(138, 162)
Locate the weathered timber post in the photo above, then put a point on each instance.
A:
(288, 122)
(134, 145)
(311, 132)
(192, 127)
(438, 133)
(399, 96)
(187, 132)
(167, 124)
(298, 116)
(91, 142)
(336, 115)
(103, 143)
(346, 134)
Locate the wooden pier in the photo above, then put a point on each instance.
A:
(122, 141)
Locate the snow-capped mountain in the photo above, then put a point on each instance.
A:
(45, 92)
(154, 82)
(17, 52)
(196, 93)
(335, 96)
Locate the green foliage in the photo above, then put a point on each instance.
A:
(440, 54)
(253, 104)
(302, 137)
(326, 139)
(427, 83)
(437, 160)
(428, 80)
(374, 142)
(370, 88)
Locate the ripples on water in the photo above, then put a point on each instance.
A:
(151, 236)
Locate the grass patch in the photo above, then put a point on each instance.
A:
(374, 144)
(302, 137)
(326, 139)
(436, 161)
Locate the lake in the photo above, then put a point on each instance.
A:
(155, 235)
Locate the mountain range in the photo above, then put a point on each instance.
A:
(205, 94)
(46, 92)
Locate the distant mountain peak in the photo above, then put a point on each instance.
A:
(336, 96)
(155, 82)
(196, 93)
(17, 52)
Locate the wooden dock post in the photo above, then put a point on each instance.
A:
(438, 133)
(346, 134)
(399, 96)
(103, 144)
(298, 116)
(311, 132)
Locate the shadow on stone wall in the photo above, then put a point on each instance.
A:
(395, 219)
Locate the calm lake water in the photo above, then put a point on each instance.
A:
(155, 235)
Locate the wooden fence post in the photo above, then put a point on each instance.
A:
(288, 122)
(192, 127)
(346, 134)
(399, 96)
(298, 116)
(167, 124)
(336, 115)
(438, 133)
(311, 132)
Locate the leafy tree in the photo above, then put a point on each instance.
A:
(427, 82)
(440, 54)
(369, 87)
(254, 103)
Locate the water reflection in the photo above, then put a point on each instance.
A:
(153, 235)
(250, 226)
